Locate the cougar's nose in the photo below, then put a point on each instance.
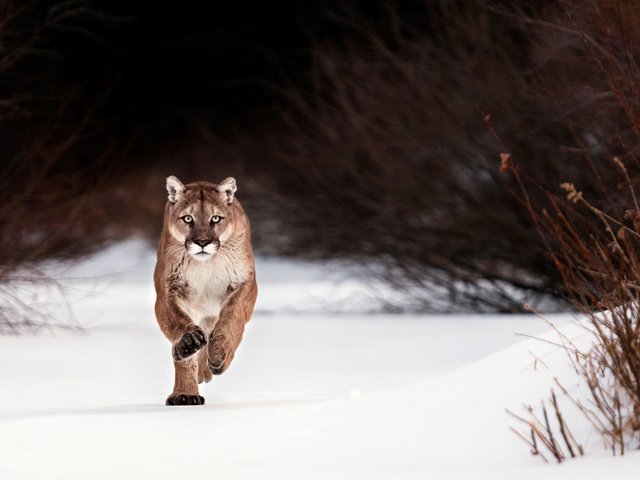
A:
(202, 243)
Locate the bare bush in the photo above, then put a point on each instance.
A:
(388, 161)
(542, 437)
(380, 155)
(57, 198)
(32, 300)
(592, 236)
(593, 239)
(596, 254)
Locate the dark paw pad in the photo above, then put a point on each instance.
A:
(189, 344)
(183, 399)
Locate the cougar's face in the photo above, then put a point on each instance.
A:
(201, 218)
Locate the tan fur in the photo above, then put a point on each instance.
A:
(204, 293)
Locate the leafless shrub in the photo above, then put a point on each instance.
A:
(384, 158)
(602, 274)
(595, 251)
(540, 436)
(390, 140)
(27, 297)
(592, 235)
(55, 200)
(596, 255)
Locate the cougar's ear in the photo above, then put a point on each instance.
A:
(227, 188)
(175, 188)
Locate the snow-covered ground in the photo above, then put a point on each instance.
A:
(320, 388)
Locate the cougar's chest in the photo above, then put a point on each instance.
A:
(208, 285)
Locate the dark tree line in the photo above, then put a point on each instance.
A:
(362, 130)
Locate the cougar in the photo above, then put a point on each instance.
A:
(205, 282)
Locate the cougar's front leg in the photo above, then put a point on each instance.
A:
(187, 338)
(185, 388)
(227, 334)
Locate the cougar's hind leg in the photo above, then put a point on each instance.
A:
(227, 334)
(204, 373)
(185, 388)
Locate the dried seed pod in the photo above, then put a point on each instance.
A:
(506, 162)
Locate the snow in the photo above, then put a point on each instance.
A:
(318, 389)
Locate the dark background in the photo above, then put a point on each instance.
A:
(369, 131)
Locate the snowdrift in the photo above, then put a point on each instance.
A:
(310, 394)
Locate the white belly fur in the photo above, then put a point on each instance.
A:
(208, 283)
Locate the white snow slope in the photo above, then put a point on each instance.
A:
(312, 394)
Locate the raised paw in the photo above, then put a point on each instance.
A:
(189, 344)
(219, 355)
(184, 399)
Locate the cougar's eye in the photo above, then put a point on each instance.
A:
(187, 219)
(216, 219)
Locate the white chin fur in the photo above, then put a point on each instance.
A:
(201, 257)
(201, 254)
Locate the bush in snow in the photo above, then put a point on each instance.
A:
(591, 232)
